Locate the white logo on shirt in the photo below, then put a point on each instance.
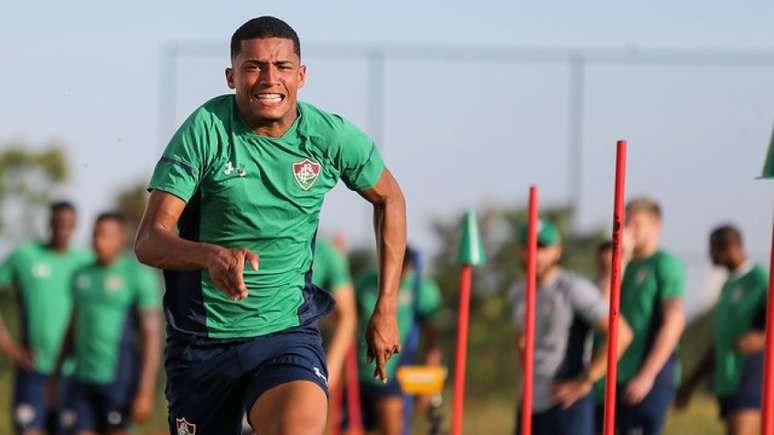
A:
(41, 270)
(229, 169)
(113, 283)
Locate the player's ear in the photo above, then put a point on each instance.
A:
(230, 78)
(301, 76)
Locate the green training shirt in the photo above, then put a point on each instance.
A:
(331, 269)
(108, 300)
(742, 300)
(428, 300)
(646, 284)
(41, 277)
(243, 190)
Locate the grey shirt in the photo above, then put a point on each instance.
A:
(565, 312)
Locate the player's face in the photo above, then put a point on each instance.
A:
(547, 257)
(109, 239)
(643, 228)
(266, 76)
(719, 254)
(62, 226)
(604, 260)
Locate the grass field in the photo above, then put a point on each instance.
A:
(490, 416)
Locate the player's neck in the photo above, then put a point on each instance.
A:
(736, 264)
(58, 247)
(107, 261)
(645, 251)
(548, 277)
(272, 127)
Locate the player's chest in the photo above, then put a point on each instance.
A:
(104, 289)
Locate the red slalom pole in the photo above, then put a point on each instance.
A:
(615, 289)
(768, 388)
(529, 315)
(466, 275)
(353, 392)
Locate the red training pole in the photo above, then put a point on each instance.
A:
(615, 289)
(462, 349)
(768, 388)
(529, 315)
(353, 393)
(334, 425)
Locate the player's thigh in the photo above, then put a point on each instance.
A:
(389, 414)
(744, 422)
(292, 408)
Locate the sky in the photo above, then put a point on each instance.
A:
(456, 134)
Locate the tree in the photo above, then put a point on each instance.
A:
(27, 178)
(131, 203)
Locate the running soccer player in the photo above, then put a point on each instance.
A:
(568, 309)
(41, 273)
(116, 313)
(651, 301)
(244, 178)
(331, 272)
(419, 299)
(736, 359)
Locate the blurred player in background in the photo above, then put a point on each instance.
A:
(568, 308)
(41, 273)
(651, 301)
(114, 337)
(736, 357)
(419, 299)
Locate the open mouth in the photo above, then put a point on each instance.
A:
(269, 98)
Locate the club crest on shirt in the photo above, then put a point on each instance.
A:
(184, 427)
(736, 294)
(41, 270)
(306, 173)
(642, 275)
(113, 283)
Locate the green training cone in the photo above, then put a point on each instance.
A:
(768, 165)
(471, 252)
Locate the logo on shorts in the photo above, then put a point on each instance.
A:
(184, 427)
(25, 414)
(320, 375)
(306, 173)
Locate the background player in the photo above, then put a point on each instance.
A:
(41, 273)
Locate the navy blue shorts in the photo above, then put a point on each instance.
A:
(99, 407)
(748, 394)
(648, 417)
(578, 419)
(212, 383)
(30, 410)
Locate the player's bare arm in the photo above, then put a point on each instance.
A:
(20, 355)
(390, 227)
(345, 314)
(150, 331)
(664, 345)
(567, 393)
(158, 245)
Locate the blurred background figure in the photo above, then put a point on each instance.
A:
(419, 298)
(736, 358)
(114, 337)
(651, 301)
(568, 308)
(41, 273)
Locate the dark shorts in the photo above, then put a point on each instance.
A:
(30, 410)
(99, 407)
(648, 417)
(212, 383)
(578, 419)
(370, 394)
(748, 394)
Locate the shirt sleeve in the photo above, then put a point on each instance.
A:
(360, 163)
(148, 289)
(181, 167)
(587, 301)
(671, 278)
(429, 299)
(7, 269)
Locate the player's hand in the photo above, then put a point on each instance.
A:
(226, 268)
(383, 340)
(751, 342)
(568, 392)
(142, 407)
(23, 357)
(638, 388)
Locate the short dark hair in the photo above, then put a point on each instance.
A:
(264, 27)
(725, 236)
(111, 216)
(58, 206)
